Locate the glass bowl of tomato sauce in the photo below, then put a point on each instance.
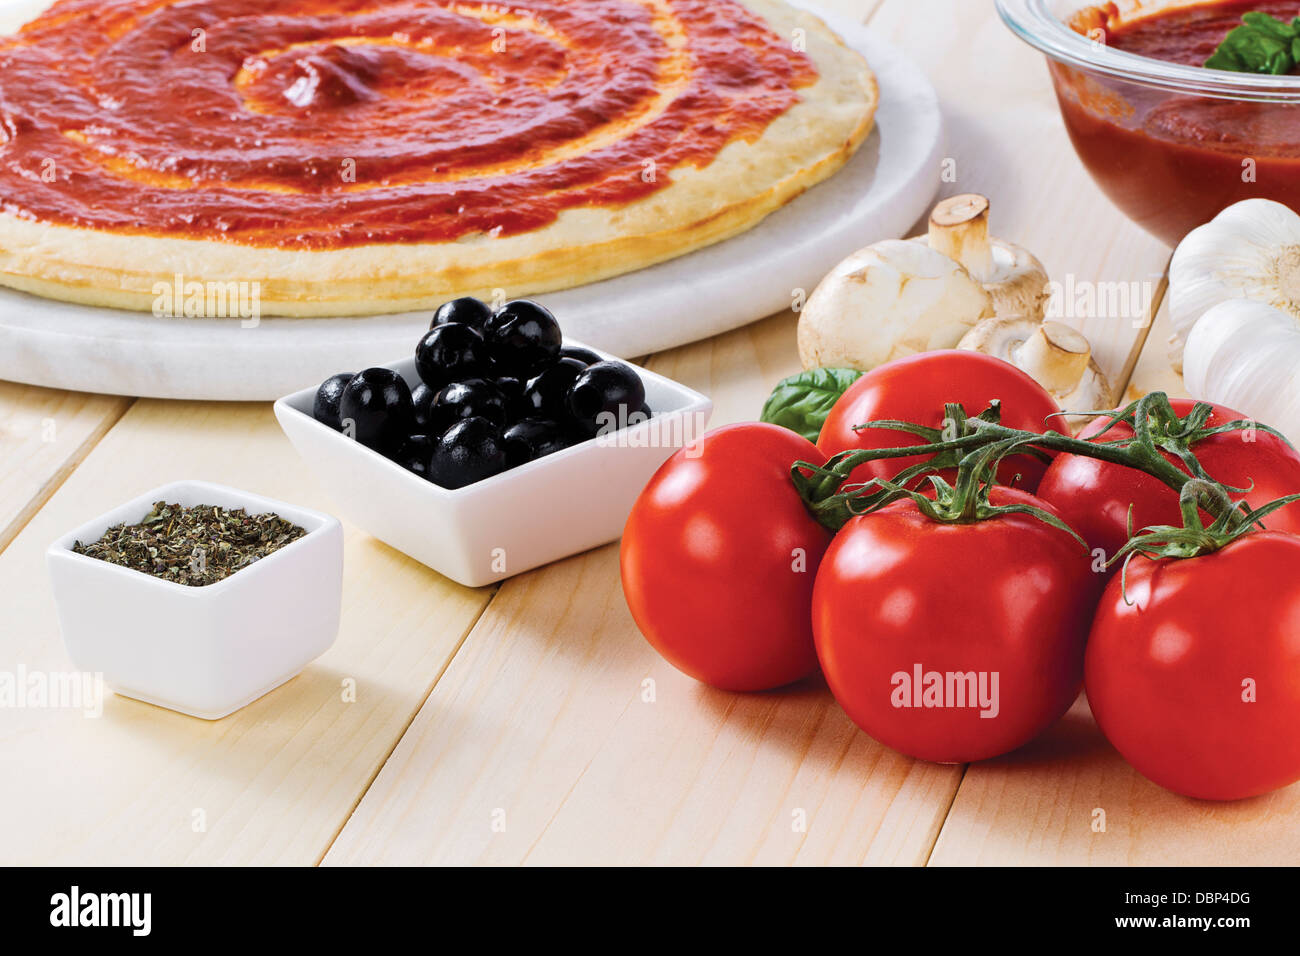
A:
(1170, 142)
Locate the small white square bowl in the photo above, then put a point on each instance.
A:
(203, 651)
(567, 502)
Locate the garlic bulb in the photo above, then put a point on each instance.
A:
(1246, 355)
(891, 299)
(1251, 251)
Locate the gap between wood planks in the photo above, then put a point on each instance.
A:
(47, 491)
(415, 712)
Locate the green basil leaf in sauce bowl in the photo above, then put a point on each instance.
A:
(1262, 44)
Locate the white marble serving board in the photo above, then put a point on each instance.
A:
(882, 191)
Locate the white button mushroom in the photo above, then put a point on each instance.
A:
(1056, 356)
(900, 297)
(889, 300)
(1013, 276)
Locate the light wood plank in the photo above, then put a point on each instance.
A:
(44, 434)
(540, 725)
(1039, 806)
(275, 781)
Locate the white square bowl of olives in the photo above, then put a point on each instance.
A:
(497, 447)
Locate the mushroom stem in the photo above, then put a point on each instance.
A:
(1056, 355)
(959, 228)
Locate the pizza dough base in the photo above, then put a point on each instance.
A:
(744, 183)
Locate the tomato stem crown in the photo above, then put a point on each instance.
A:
(976, 445)
(968, 500)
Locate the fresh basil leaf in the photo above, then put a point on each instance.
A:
(1264, 23)
(1262, 44)
(1225, 58)
(802, 402)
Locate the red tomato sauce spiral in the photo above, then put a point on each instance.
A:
(328, 123)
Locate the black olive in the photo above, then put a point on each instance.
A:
(472, 398)
(604, 395)
(469, 451)
(466, 311)
(414, 454)
(326, 407)
(524, 338)
(513, 389)
(376, 409)
(422, 398)
(585, 356)
(545, 394)
(578, 432)
(532, 438)
(450, 353)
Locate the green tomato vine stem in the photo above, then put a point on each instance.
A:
(976, 445)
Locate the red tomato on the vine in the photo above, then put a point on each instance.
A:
(1197, 681)
(954, 642)
(916, 388)
(719, 557)
(1094, 496)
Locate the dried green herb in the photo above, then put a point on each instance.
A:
(193, 546)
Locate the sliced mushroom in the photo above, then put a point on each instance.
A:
(1058, 357)
(1012, 276)
(891, 299)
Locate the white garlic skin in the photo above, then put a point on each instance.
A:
(1250, 251)
(1246, 355)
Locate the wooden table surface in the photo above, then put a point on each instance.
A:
(531, 723)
